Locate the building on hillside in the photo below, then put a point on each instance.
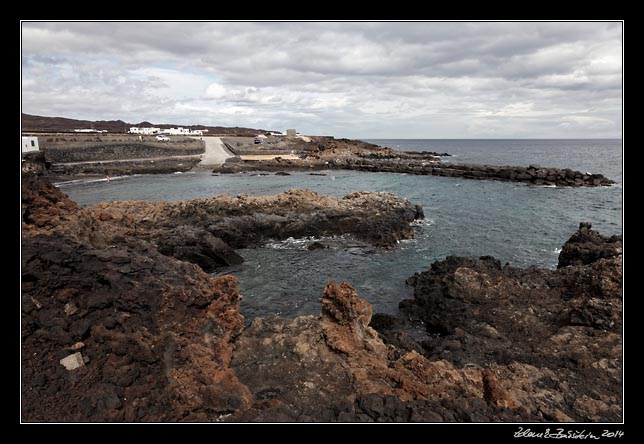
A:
(169, 131)
(291, 133)
(29, 144)
(144, 131)
(181, 131)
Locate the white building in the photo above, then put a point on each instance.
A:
(29, 144)
(170, 131)
(181, 131)
(146, 131)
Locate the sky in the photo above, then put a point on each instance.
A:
(346, 79)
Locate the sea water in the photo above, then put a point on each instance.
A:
(521, 224)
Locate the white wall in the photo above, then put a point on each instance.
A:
(29, 144)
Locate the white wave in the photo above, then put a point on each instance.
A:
(422, 222)
(93, 180)
(301, 243)
(557, 250)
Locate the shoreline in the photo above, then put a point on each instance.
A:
(326, 153)
(157, 339)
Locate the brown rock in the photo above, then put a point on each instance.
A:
(494, 393)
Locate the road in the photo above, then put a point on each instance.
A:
(216, 153)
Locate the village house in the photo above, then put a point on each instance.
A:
(29, 144)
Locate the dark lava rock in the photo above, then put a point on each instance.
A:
(198, 246)
(587, 245)
(162, 313)
(282, 173)
(565, 324)
(240, 221)
(316, 246)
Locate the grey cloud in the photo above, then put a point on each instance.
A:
(317, 76)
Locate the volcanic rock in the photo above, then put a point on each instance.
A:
(240, 221)
(587, 245)
(561, 327)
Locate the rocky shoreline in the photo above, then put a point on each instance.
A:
(315, 154)
(205, 231)
(116, 328)
(327, 153)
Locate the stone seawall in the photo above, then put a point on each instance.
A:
(140, 166)
(121, 151)
(533, 174)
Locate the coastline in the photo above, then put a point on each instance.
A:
(138, 336)
(316, 154)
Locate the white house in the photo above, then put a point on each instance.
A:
(29, 144)
(147, 131)
(171, 131)
(181, 131)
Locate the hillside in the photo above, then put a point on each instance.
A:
(33, 123)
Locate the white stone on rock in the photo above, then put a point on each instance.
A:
(72, 362)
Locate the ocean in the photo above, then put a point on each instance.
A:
(516, 223)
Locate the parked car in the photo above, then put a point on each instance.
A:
(163, 138)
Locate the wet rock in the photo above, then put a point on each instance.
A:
(316, 246)
(198, 246)
(282, 173)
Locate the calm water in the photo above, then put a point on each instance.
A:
(519, 224)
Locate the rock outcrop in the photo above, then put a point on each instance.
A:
(552, 331)
(206, 231)
(587, 245)
(240, 221)
(336, 368)
(112, 330)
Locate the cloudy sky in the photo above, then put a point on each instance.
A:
(370, 80)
